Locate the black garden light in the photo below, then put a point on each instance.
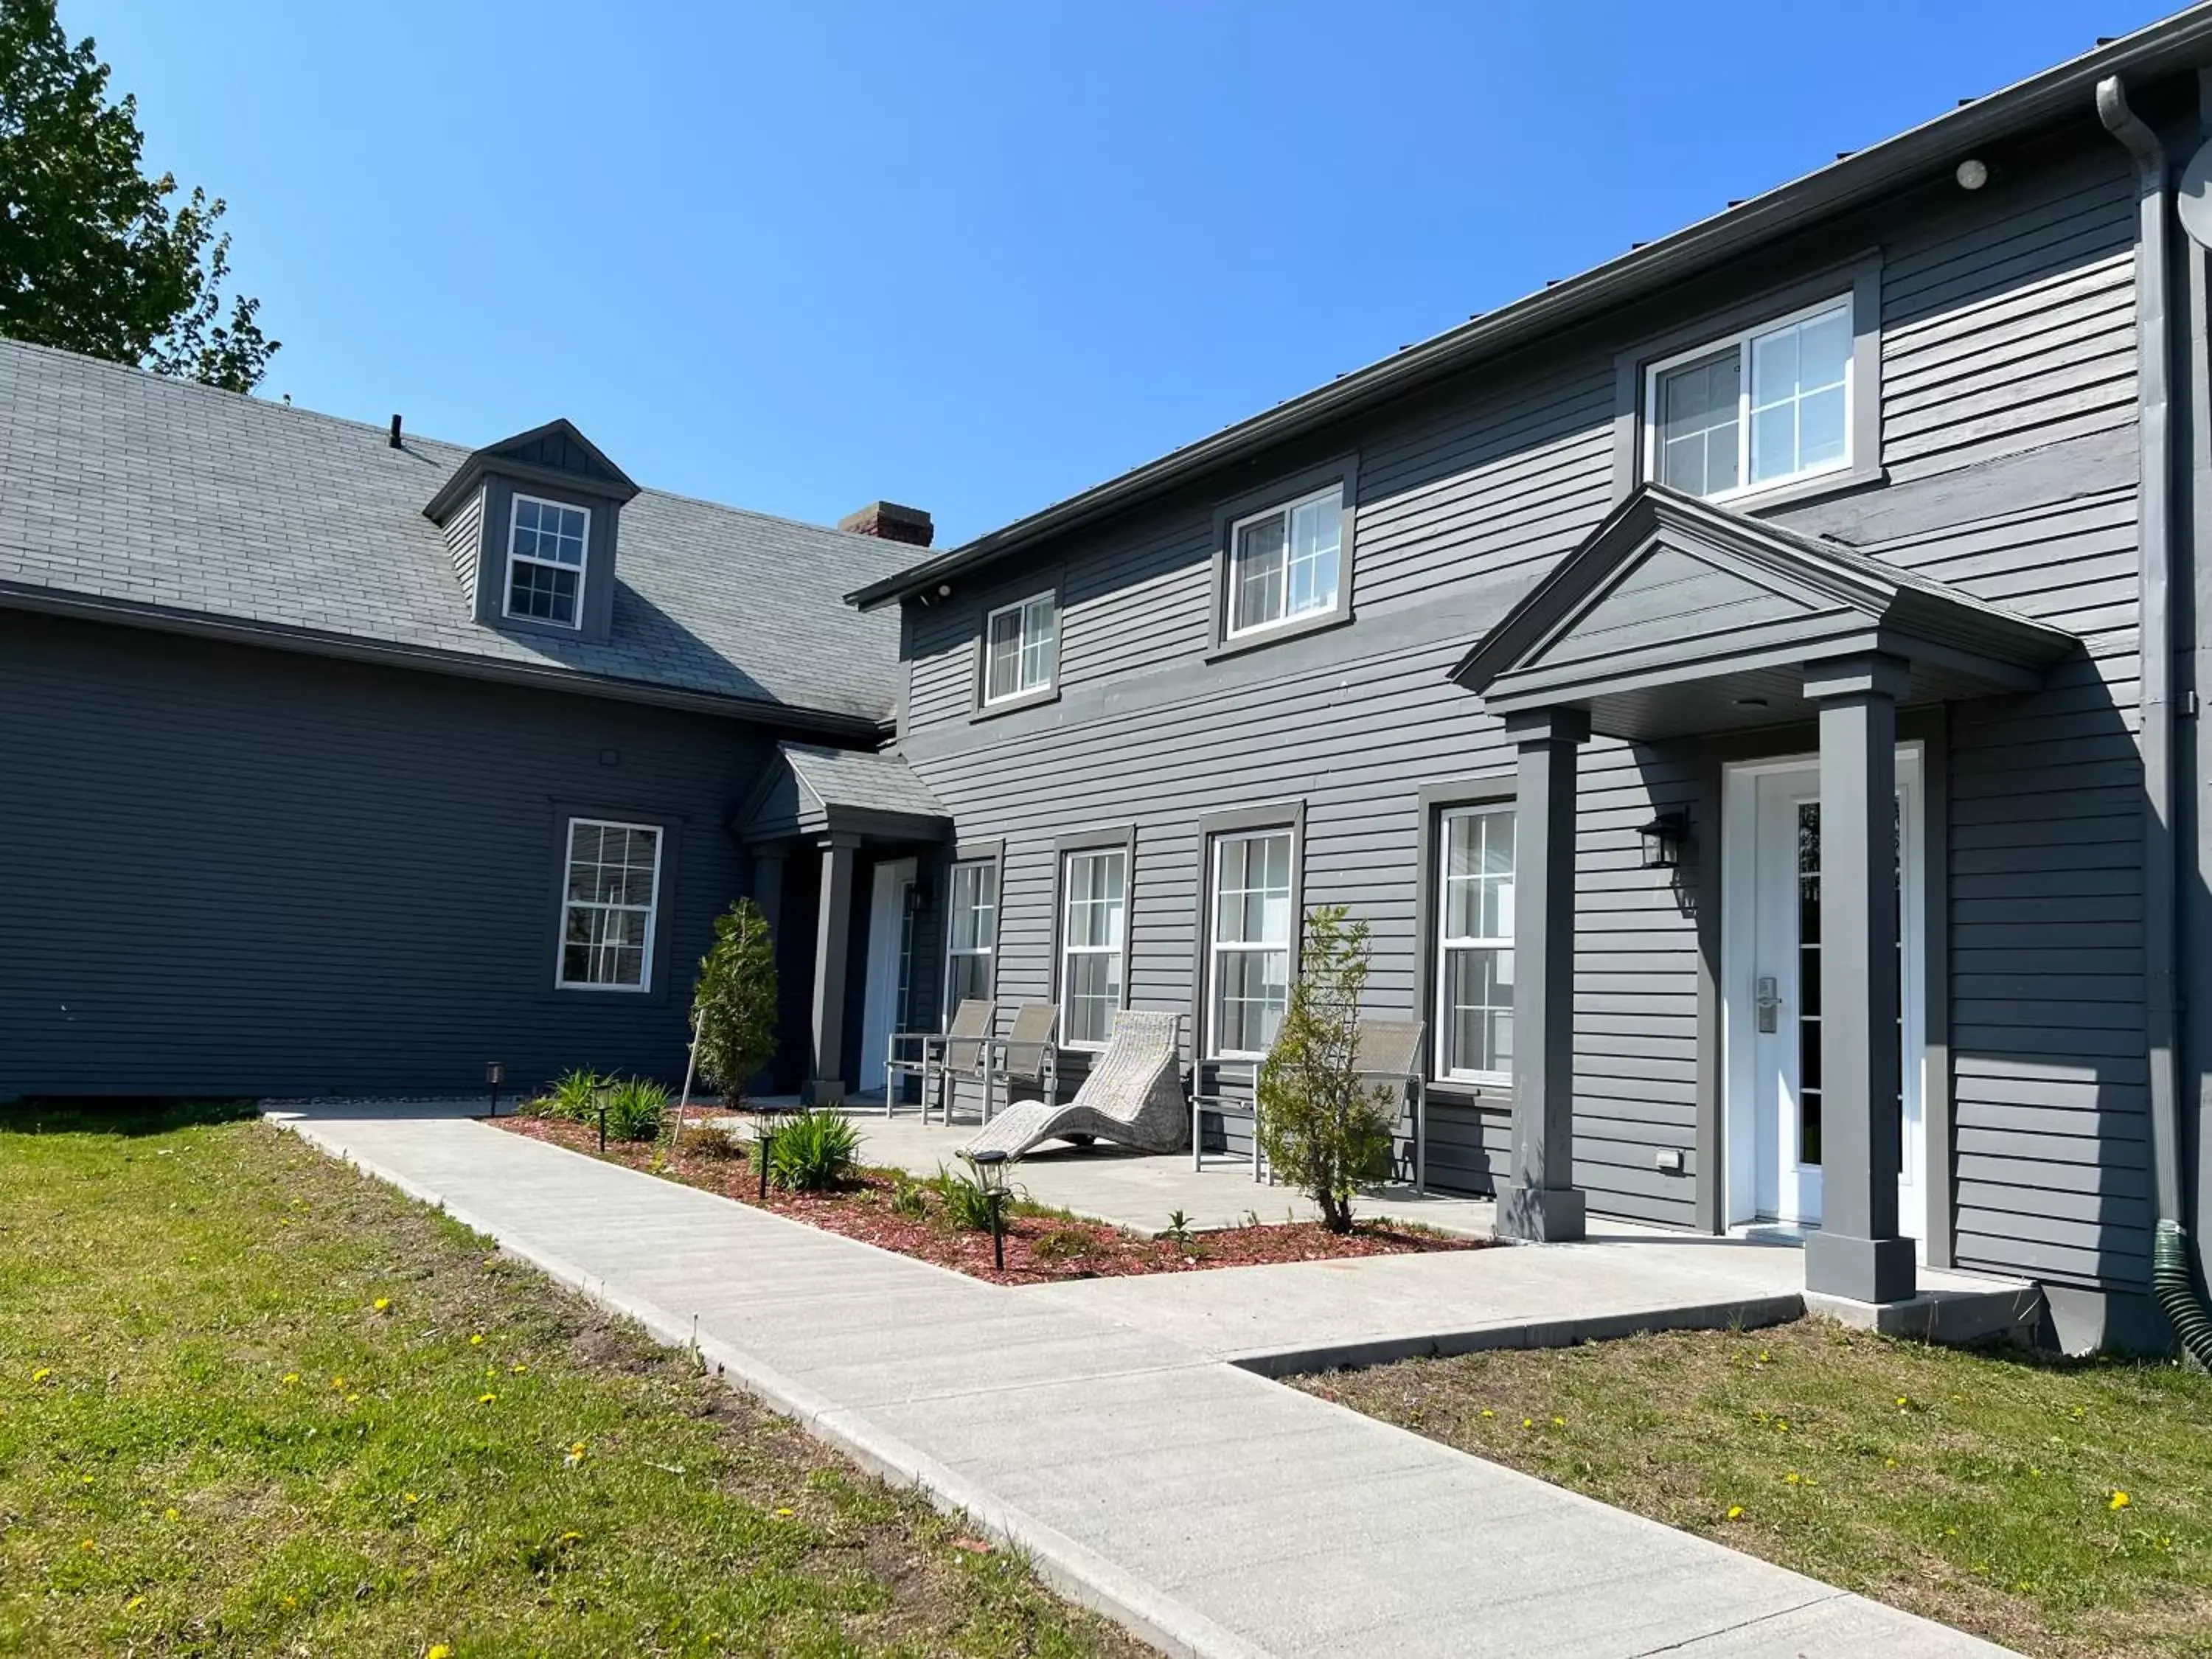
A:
(990, 1168)
(601, 1095)
(764, 1119)
(1663, 841)
(495, 1074)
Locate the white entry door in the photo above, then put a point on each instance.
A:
(1771, 1010)
(887, 960)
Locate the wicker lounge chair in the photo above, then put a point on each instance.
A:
(1134, 1096)
(958, 1051)
(1388, 1053)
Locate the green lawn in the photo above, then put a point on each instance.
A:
(250, 1402)
(2059, 1509)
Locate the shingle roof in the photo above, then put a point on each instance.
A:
(142, 492)
(880, 782)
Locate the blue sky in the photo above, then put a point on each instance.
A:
(974, 255)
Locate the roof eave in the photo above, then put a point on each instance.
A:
(2170, 44)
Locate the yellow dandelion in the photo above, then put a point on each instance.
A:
(291, 1379)
(353, 1400)
(381, 1303)
(784, 1511)
(42, 1373)
(1486, 1412)
(1793, 1479)
(486, 1399)
(338, 1383)
(134, 1604)
(1782, 1424)
(1903, 1401)
(169, 1515)
(1764, 1356)
(87, 1545)
(1528, 1422)
(572, 1537)
(439, 1650)
(517, 1369)
(1735, 1512)
(410, 1498)
(1889, 1463)
(476, 1341)
(1558, 1422)
(2119, 1500)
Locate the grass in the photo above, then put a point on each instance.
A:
(2062, 1509)
(251, 1402)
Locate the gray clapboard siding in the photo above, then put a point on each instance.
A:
(2009, 381)
(463, 535)
(261, 872)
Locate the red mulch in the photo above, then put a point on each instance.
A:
(1072, 1249)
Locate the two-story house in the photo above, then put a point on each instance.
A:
(1746, 689)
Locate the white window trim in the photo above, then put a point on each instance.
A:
(506, 585)
(988, 952)
(1282, 509)
(1846, 303)
(561, 980)
(1445, 942)
(1069, 948)
(1049, 598)
(1214, 947)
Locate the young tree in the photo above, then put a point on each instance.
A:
(734, 1005)
(1320, 1131)
(92, 256)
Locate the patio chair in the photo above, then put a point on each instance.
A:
(1132, 1097)
(1029, 1056)
(1386, 1051)
(957, 1051)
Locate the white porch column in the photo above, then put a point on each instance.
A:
(1541, 1203)
(825, 1084)
(1860, 1251)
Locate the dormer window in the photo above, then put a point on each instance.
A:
(545, 550)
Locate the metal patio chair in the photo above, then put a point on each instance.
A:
(1385, 1052)
(959, 1050)
(1029, 1054)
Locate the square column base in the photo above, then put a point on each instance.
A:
(1861, 1269)
(1540, 1215)
(823, 1092)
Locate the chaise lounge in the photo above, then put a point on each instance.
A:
(1134, 1096)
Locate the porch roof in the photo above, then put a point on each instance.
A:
(1674, 616)
(811, 790)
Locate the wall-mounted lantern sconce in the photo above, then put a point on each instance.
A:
(1663, 841)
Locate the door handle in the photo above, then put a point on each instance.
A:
(1767, 1001)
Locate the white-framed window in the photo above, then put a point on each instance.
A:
(1249, 943)
(1474, 944)
(546, 544)
(611, 891)
(971, 931)
(1021, 647)
(1286, 563)
(1094, 923)
(1759, 408)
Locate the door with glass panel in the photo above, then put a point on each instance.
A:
(1775, 1014)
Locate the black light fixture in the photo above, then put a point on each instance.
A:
(990, 1166)
(495, 1074)
(1663, 841)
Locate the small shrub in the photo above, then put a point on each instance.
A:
(813, 1151)
(909, 1198)
(1177, 1231)
(575, 1095)
(713, 1141)
(634, 1109)
(1063, 1244)
(733, 1006)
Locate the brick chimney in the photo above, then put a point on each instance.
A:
(892, 522)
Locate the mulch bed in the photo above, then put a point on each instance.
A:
(1041, 1249)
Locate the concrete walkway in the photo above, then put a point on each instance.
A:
(1211, 1510)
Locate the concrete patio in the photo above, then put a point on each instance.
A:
(1104, 1429)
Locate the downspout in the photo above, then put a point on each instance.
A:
(2172, 1284)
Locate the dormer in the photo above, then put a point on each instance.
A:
(532, 524)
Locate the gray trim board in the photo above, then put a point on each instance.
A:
(1123, 837)
(1482, 790)
(1862, 279)
(1288, 815)
(1342, 471)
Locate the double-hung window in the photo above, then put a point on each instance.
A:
(1286, 563)
(1021, 648)
(1761, 408)
(611, 889)
(1474, 944)
(546, 544)
(1248, 944)
(1094, 922)
(972, 934)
